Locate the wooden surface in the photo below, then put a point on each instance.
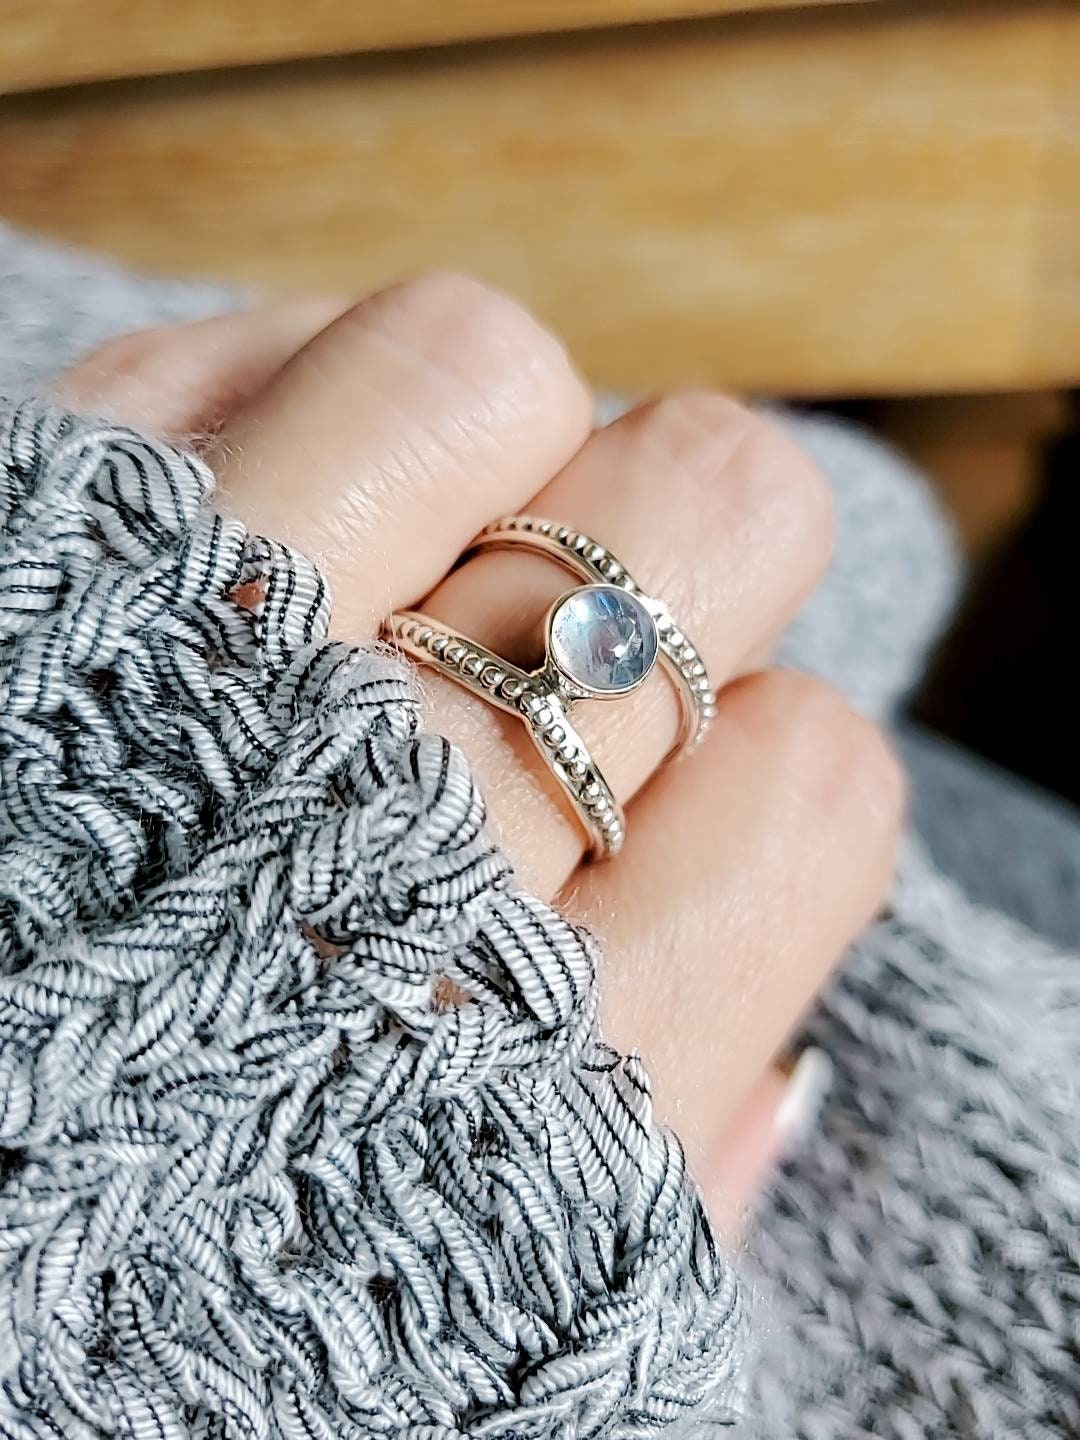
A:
(863, 200)
(52, 42)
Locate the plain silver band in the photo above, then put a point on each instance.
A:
(533, 698)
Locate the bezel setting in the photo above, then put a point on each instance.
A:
(544, 698)
(615, 609)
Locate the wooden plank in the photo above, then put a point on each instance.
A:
(862, 201)
(57, 42)
(1054, 316)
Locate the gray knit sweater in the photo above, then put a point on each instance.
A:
(915, 1268)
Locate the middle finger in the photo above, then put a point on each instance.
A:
(716, 513)
(385, 443)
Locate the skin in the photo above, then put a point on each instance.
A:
(379, 438)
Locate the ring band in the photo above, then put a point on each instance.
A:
(602, 640)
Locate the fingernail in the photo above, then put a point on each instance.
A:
(804, 1097)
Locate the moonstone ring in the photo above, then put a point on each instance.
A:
(604, 638)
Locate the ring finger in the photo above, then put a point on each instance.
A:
(744, 877)
(715, 512)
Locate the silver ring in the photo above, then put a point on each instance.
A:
(603, 639)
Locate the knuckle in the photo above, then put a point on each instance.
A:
(877, 777)
(841, 756)
(446, 306)
(691, 426)
(128, 356)
(789, 494)
(479, 337)
(767, 478)
(435, 293)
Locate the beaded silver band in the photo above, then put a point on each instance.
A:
(531, 700)
(592, 561)
(542, 698)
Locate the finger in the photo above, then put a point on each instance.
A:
(771, 1124)
(743, 878)
(385, 444)
(713, 510)
(183, 380)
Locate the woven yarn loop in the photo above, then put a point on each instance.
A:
(306, 1128)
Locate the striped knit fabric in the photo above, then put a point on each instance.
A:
(305, 1127)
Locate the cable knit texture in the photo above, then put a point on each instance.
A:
(917, 1265)
(306, 1127)
(923, 1254)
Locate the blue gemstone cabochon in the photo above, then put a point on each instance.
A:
(603, 638)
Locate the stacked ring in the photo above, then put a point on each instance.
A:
(603, 639)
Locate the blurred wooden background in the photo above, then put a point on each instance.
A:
(851, 199)
(878, 199)
(873, 204)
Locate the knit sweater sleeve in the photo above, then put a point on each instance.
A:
(306, 1127)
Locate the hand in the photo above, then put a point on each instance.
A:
(379, 438)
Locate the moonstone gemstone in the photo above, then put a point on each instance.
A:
(603, 638)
